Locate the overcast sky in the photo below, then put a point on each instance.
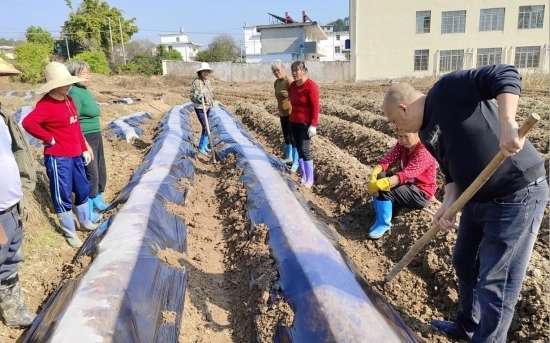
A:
(201, 19)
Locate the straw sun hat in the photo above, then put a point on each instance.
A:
(7, 69)
(57, 75)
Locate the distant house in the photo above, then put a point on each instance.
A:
(7, 50)
(180, 42)
(284, 41)
(335, 45)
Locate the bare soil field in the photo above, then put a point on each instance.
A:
(353, 135)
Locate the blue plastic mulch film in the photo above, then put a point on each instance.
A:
(19, 115)
(122, 294)
(330, 298)
(127, 127)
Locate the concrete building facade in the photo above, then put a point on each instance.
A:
(335, 44)
(179, 41)
(286, 42)
(392, 38)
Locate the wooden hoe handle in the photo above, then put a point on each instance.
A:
(462, 200)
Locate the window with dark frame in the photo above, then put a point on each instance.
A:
(531, 17)
(491, 19)
(450, 60)
(489, 56)
(337, 49)
(337, 37)
(453, 22)
(423, 20)
(527, 57)
(421, 59)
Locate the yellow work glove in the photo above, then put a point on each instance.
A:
(374, 175)
(380, 185)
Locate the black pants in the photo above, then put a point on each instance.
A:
(406, 195)
(96, 173)
(301, 140)
(287, 132)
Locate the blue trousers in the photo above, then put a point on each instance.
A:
(202, 119)
(67, 175)
(11, 253)
(493, 247)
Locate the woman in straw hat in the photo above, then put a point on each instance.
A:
(201, 89)
(55, 121)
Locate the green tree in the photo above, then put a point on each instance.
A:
(39, 36)
(96, 60)
(142, 64)
(31, 59)
(88, 27)
(339, 25)
(222, 48)
(165, 54)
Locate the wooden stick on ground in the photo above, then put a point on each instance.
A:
(461, 201)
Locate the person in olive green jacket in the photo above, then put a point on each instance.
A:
(88, 113)
(281, 86)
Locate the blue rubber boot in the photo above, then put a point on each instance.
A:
(308, 165)
(83, 216)
(383, 209)
(288, 154)
(202, 145)
(99, 204)
(69, 231)
(295, 158)
(94, 217)
(206, 144)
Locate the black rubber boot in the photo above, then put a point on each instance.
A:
(12, 304)
(453, 330)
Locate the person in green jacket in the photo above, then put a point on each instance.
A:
(88, 113)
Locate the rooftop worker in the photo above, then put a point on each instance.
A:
(463, 129)
(281, 85)
(55, 122)
(12, 301)
(304, 98)
(199, 94)
(88, 114)
(412, 186)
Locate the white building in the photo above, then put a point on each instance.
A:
(180, 42)
(395, 38)
(335, 45)
(252, 43)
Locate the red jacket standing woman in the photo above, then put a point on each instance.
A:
(304, 97)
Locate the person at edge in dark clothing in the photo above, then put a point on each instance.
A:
(463, 129)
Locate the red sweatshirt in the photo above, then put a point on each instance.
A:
(305, 102)
(57, 119)
(417, 168)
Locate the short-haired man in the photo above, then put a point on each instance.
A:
(12, 301)
(463, 129)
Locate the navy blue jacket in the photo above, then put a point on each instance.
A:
(461, 129)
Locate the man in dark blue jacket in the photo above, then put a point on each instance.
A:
(463, 129)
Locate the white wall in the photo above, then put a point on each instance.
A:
(383, 37)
